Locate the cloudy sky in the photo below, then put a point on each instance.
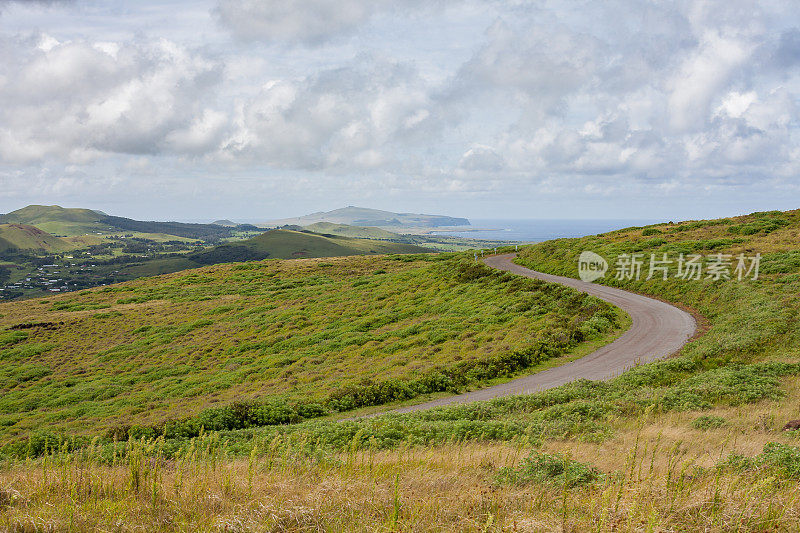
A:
(258, 109)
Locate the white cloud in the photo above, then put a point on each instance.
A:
(736, 103)
(481, 159)
(701, 77)
(78, 100)
(358, 116)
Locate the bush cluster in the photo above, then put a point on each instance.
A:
(552, 469)
(777, 458)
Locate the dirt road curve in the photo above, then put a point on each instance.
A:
(657, 331)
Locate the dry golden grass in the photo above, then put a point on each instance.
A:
(660, 476)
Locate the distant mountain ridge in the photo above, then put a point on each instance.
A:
(75, 221)
(362, 216)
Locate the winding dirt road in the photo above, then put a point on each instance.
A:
(657, 331)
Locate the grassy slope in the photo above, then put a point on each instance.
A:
(285, 244)
(24, 237)
(57, 220)
(273, 244)
(645, 428)
(161, 348)
(357, 232)
(76, 222)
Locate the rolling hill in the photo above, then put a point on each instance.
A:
(76, 222)
(289, 244)
(325, 333)
(357, 232)
(57, 220)
(361, 216)
(24, 237)
(273, 244)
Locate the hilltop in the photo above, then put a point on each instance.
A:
(43, 214)
(361, 216)
(287, 244)
(62, 221)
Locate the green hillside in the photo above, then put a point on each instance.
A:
(77, 222)
(57, 220)
(295, 244)
(323, 335)
(29, 238)
(273, 244)
(357, 232)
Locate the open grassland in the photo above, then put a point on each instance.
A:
(692, 443)
(359, 232)
(287, 244)
(305, 338)
(659, 472)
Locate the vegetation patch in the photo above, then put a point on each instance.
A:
(288, 339)
(776, 458)
(706, 422)
(553, 469)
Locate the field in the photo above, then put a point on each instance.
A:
(659, 473)
(324, 336)
(359, 232)
(286, 244)
(692, 443)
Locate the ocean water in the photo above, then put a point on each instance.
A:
(541, 230)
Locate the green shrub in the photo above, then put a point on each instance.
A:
(8, 338)
(708, 422)
(780, 263)
(763, 224)
(474, 272)
(781, 459)
(545, 468)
